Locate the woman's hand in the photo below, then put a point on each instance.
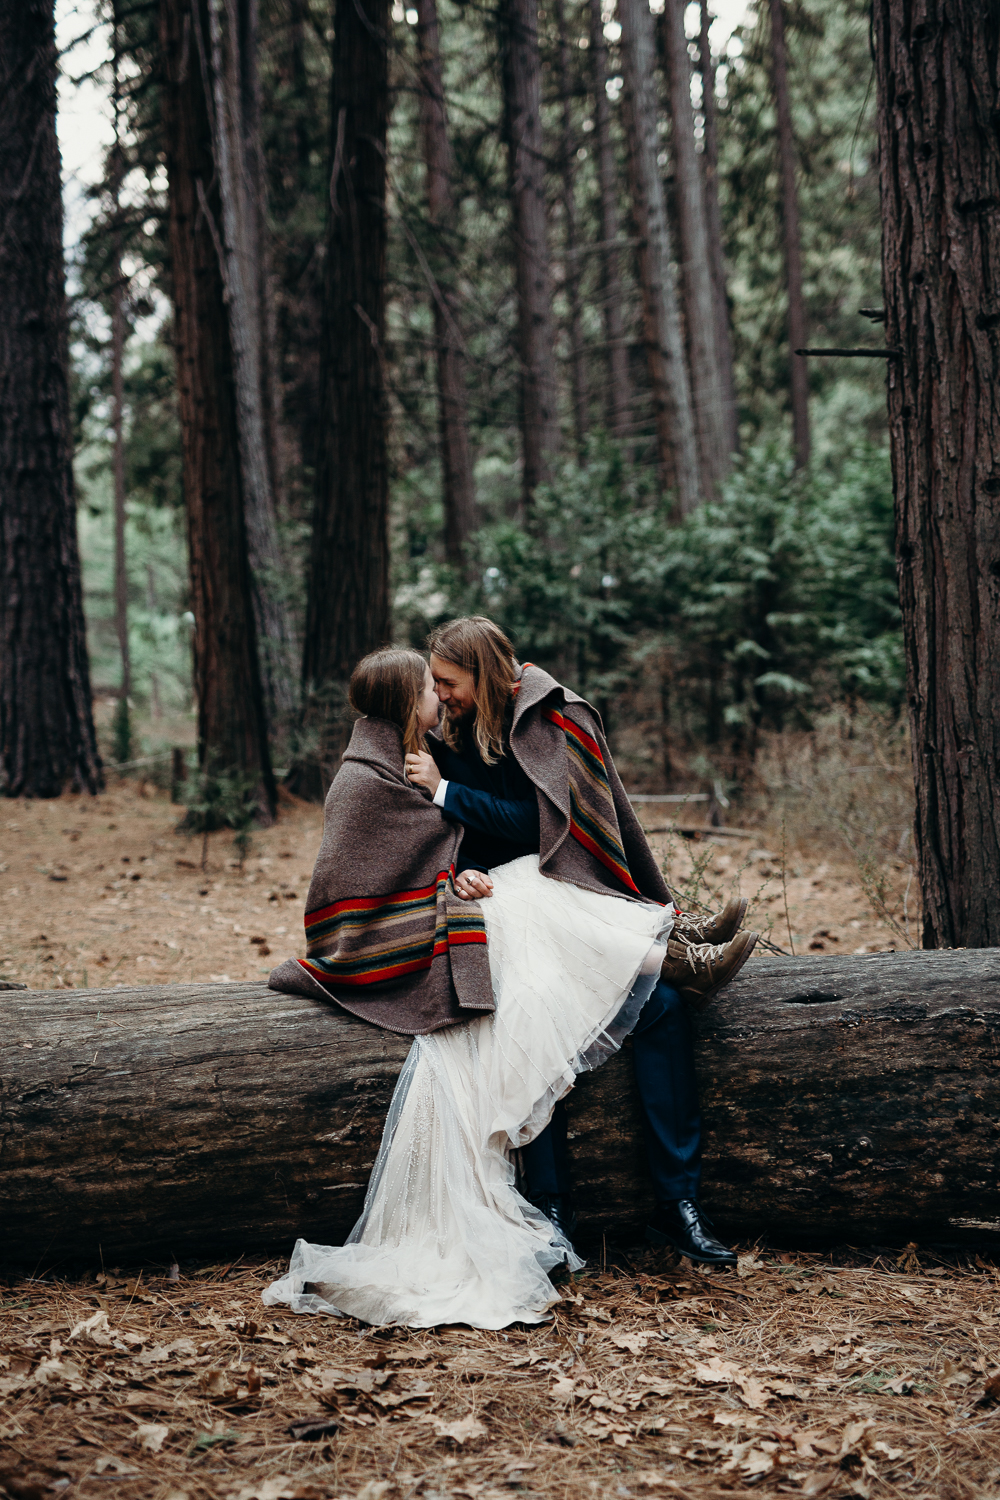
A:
(473, 885)
(421, 770)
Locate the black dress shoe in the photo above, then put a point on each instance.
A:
(558, 1209)
(684, 1225)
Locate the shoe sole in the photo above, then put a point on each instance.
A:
(658, 1238)
(697, 998)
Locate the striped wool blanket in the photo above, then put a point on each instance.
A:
(590, 835)
(387, 938)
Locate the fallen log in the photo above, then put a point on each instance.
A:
(851, 1098)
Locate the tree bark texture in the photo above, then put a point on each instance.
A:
(521, 71)
(707, 388)
(792, 237)
(227, 60)
(46, 723)
(716, 251)
(845, 1097)
(618, 399)
(937, 71)
(232, 722)
(453, 418)
(572, 264)
(676, 439)
(348, 603)
(118, 457)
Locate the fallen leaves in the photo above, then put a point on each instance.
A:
(464, 1430)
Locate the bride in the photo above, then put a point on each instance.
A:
(508, 999)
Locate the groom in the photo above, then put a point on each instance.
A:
(557, 794)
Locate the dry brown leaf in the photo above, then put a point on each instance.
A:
(819, 1483)
(716, 1371)
(759, 1461)
(754, 1394)
(253, 1381)
(96, 1330)
(281, 1487)
(184, 1348)
(215, 1383)
(635, 1343)
(464, 1430)
(748, 1265)
(117, 1465)
(151, 1436)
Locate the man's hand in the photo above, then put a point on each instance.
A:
(421, 770)
(473, 885)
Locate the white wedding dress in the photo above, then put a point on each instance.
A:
(445, 1237)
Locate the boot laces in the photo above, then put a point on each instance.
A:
(708, 954)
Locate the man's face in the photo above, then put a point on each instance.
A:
(454, 686)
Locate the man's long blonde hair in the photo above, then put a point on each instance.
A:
(478, 646)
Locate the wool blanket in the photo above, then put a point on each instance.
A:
(387, 937)
(590, 835)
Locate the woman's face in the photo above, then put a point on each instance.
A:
(428, 706)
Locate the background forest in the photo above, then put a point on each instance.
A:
(764, 608)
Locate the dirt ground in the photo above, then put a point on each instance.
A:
(799, 1375)
(102, 891)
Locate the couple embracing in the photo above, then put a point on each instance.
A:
(484, 886)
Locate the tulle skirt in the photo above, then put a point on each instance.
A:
(445, 1237)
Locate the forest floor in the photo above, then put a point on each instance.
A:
(842, 1375)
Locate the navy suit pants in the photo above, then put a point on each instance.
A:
(663, 1056)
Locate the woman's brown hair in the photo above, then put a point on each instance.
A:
(478, 646)
(387, 685)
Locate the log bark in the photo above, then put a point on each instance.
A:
(676, 440)
(798, 373)
(521, 72)
(844, 1098)
(46, 724)
(618, 398)
(936, 70)
(232, 722)
(458, 481)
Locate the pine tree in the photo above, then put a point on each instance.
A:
(46, 724)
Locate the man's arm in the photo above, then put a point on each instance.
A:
(515, 821)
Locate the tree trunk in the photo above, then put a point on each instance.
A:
(227, 57)
(232, 723)
(118, 465)
(453, 420)
(716, 252)
(116, 171)
(936, 68)
(46, 723)
(677, 444)
(798, 370)
(526, 174)
(348, 611)
(572, 265)
(843, 1098)
(707, 390)
(618, 400)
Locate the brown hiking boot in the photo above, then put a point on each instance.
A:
(718, 929)
(699, 970)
